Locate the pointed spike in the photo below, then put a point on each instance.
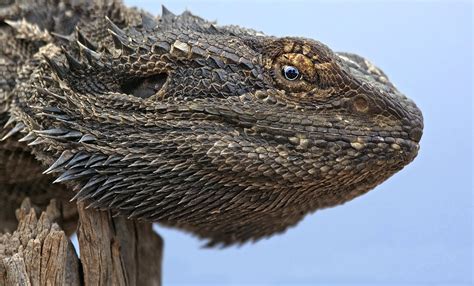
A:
(98, 191)
(95, 164)
(52, 132)
(118, 188)
(71, 135)
(68, 38)
(121, 43)
(141, 211)
(73, 174)
(14, 24)
(52, 109)
(91, 183)
(29, 137)
(91, 56)
(213, 29)
(111, 159)
(59, 133)
(97, 205)
(63, 158)
(94, 159)
(118, 40)
(57, 69)
(166, 14)
(139, 163)
(118, 202)
(81, 195)
(135, 198)
(48, 92)
(67, 175)
(131, 156)
(82, 198)
(113, 179)
(20, 126)
(74, 64)
(84, 40)
(78, 157)
(106, 196)
(57, 117)
(148, 22)
(37, 141)
(114, 27)
(10, 121)
(87, 138)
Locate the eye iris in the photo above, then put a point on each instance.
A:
(290, 72)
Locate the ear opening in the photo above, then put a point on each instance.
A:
(144, 87)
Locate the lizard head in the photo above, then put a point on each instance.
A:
(221, 131)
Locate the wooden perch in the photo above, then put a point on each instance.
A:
(113, 251)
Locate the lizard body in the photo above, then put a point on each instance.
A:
(221, 131)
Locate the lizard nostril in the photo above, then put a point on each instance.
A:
(361, 104)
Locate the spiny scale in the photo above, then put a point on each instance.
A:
(91, 56)
(18, 127)
(57, 68)
(85, 41)
(121, 43)
(29, 137)
(148, 23)
(73, 63)
(166, 14)
(63, 159)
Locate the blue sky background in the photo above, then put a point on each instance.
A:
(414, 229)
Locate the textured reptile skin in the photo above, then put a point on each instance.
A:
(176, 120)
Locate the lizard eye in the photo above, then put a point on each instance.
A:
(294, 72)
(291, 72)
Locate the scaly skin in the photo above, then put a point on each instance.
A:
(178, 121)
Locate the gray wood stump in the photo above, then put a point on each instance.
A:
(113, 250)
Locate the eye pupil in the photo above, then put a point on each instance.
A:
(291, 72)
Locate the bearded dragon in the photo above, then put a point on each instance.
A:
(221, 131)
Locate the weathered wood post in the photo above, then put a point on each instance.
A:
(113, 250)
